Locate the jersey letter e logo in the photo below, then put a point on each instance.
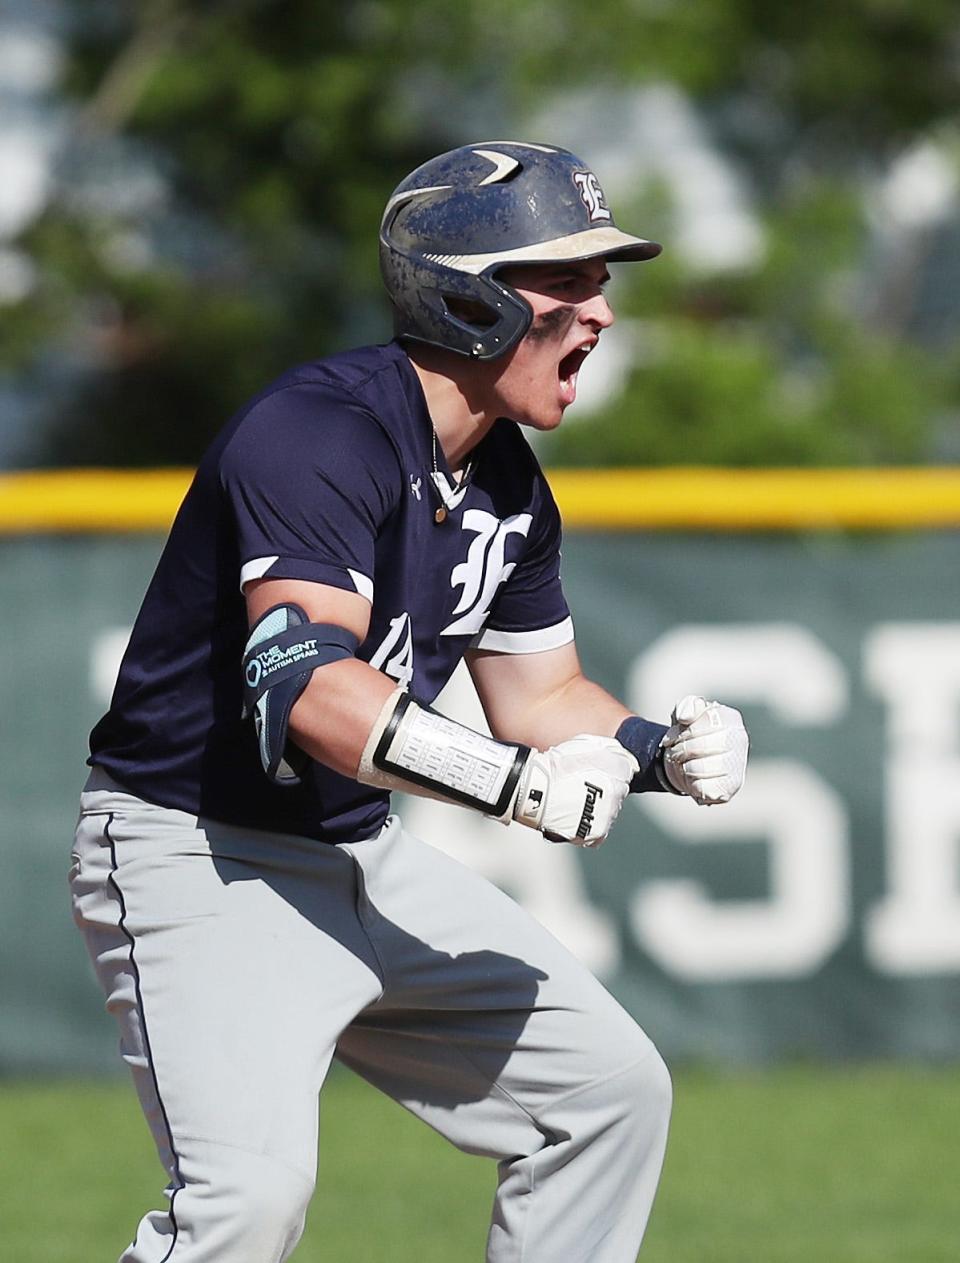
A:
(484, 569)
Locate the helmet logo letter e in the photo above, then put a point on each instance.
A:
(592, 194)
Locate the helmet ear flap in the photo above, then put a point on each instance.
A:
(504, 317)
(472, 315)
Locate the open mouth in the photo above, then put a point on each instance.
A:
(569, 367)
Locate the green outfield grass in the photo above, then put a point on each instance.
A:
(799, 1165)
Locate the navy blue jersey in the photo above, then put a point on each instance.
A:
(327, 476)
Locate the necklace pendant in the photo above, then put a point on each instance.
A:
(440, 515)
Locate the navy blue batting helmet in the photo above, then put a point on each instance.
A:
(452, 224)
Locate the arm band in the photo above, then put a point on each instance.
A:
(412, 745)
(283, 651)
(642, 738)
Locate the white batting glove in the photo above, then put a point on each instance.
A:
(705, 750)
(573, 792)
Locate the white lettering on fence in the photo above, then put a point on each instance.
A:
(784, 805)
(915, 668)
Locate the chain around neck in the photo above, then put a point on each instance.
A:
(448, 498)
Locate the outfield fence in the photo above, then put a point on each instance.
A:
(817, 916)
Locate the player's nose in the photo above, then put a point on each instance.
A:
(597, 312)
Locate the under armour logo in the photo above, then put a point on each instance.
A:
(591, 194)
(415, 486)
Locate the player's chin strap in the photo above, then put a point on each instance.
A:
(283, 651)
(412, 745)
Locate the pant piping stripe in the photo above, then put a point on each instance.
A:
(122, 926)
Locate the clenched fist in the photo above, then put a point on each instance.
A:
(705, 750)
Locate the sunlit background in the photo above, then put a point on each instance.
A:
(189, 195)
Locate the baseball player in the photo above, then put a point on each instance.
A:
(251, 907)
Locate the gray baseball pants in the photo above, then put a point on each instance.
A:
(238, 963)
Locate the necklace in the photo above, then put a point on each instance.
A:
(449, 499)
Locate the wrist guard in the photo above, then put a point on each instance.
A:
(643, 739)
(570, 793)
(412, 745)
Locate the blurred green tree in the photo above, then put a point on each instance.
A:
(219, 192)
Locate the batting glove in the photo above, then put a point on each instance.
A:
(573, 792)
(705, 750)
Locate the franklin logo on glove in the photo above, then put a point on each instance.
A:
(593, 793)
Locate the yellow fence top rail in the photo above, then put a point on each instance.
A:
(115, 500)
(758, 499)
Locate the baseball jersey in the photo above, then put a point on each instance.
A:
(327, 476)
